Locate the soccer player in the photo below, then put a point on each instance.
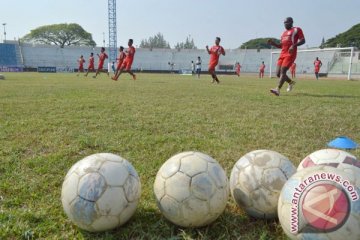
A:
(198, 66)
(317, 65)
(291, 38)
(81, 62)
(192, 68)
(102, 58)
(129, 58)
(215, 52)
(262, 70)
(91, 66)
(113, 67)
(120, 60)
(293, 70)
(237, 68)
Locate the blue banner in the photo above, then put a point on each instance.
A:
(47, 69)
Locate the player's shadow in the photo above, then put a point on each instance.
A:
(326, 95)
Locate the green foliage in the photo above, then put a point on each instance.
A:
(258, 43)
(188, 44)
(50, 121)
(157, 41)
(350, 38)
(322, 43)
(60, 34)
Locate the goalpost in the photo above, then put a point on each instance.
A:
(330, 62)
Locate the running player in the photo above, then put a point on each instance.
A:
(237, 69)
(120, 60)
(215, 52)
(126, 65)
(81, 62)
(262, 70)
(102, 58)
(317, 65)
(198, 66)
(91, 66)
(291, 38)
(293, 70)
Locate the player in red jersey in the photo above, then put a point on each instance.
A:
(215, 52)
(120, 60)
(91, 66)
(293, 70)
(237, 69)
(317, 65)
(102, 58)
(81, 62)
(291, 38)
(262, 70)
(126, 65)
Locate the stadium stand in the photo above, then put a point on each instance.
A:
(65, 59)
(8, 55)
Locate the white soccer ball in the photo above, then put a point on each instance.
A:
(256, 181)
(191, 189)
(100, 192)
(320, 202)
(334, 158)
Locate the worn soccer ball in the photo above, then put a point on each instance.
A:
(332, 157)
(320, 202)
(100, 192)
(256, 181)
(191, 189)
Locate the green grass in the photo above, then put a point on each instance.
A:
(50, 121)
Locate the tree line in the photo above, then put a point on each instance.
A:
(73, 34)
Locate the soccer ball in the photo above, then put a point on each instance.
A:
(191, 189)
(320, 202)
(256, 181)
(100, 192)
(334, 158)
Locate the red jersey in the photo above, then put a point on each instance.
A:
(81, 62)
(262, 67)
(293, 67)
(289, 38)
(102, 57)
(91, 61)
(215, 52)
(317, 63)
(120, 59)
(130, 53)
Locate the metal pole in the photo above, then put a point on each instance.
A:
(350, 63)
(271, 60)
(4, 24)
(103, 39)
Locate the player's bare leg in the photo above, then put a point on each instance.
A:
(281, 72)
(132, 74)
(116, 75)
(214, 77)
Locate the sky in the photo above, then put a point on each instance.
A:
(235, 21)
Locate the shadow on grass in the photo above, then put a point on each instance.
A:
(150, 224)
(325, 96)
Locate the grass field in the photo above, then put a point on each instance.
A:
(50, 121)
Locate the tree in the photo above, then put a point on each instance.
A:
(188, 44)
(258, 43)
(322, 43)
(350, 38)
(60, 34)
(157, 41)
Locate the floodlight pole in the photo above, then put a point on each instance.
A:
(4, 24)
(112, 30)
